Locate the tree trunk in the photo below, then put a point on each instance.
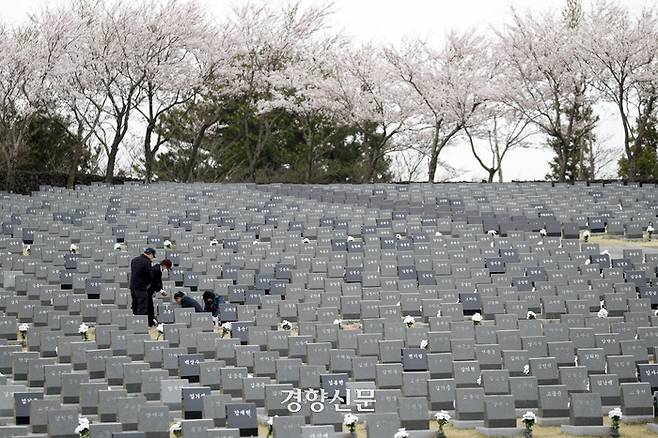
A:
(148, 154)
(562, 174)
(263, 135)
(432, 167)
(10, 182)
(492, 173)
(111, 161)
(309, 157)
(194, 152)
(73, 166)
(370, 172)
(499, 163)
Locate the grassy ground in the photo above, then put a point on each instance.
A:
(626, 243)
(627, 431)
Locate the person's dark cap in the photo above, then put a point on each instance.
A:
(149, 251)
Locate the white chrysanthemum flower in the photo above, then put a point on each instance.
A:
(306, 240)
(118, 247)
(587, 234)
(477, 317)
(167, 244)
(442, 416)
(529, 416)
(409, 320)
(176, 427)
(350, 239)
(651, 229)
(401, 433)
(532, 315)
(615, 413)
(338, 322)
(398, 236)
(227, 326)
(214, 242)
(74, 248)
(160, 328)
(424, 343)
(438, 234)
(83, 425)
(350, 419)
(83, 328)
(285, 325)
(23, 328)
(602, 313)
(543, 232)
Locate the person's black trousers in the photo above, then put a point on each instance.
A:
(140, 300)
(151, 310)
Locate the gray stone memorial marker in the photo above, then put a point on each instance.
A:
(242, 416)
(585, 409)
(22, 402)
(499, 411)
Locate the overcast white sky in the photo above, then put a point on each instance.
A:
(391, 20)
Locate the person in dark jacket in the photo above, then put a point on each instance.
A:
(211, 302)
(185, 301)
(141, 276)
(155, 287)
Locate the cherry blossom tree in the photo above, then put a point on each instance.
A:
(173, 64)
(502, 131)
(448, 83)
(304, 88)
(621, 53)
(267, 40)
(545, 81)
(25, 83)
(371, 97)
(77, 99)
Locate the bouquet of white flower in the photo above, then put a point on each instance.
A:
(83, 329)
(602, 313)
(615, 419)
(586, 235)
(528, 419)
(285, 325)
(176, 429)
(424, 344)
(83, 427)
(442, 418)
(350, 421)
(338, 322)
(409, 320)
(22, 329)
(74, 248)
(270, 426)
(476, 318)
(401, 433)
(532, 315)
(226, 328)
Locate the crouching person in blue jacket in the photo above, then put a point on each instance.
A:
(211, 302)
